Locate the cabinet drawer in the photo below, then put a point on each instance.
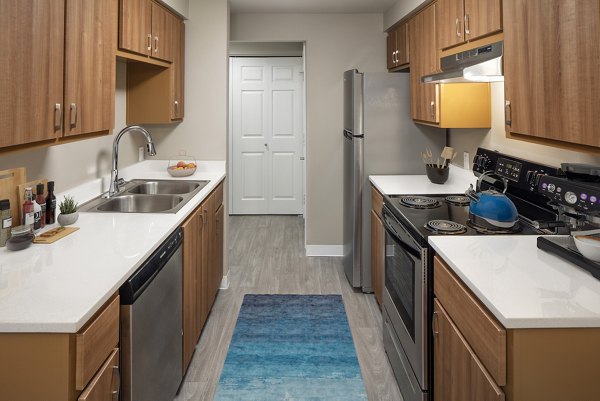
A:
(376, 201)
(95, 343)
(105, 385)
(485, 335)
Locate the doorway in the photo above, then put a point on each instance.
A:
(267, 135)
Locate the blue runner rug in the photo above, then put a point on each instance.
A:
(291, 347)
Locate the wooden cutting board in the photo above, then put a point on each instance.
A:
(21, 194)
(54, 235)
(9, 181)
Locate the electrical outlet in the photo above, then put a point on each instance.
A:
(141, 154)
(466, 161)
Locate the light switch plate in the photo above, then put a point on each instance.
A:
(466, 160)
(141, 154)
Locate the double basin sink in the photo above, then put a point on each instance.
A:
(147, 196)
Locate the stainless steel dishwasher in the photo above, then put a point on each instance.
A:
(151, 326)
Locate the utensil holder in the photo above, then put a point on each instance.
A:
(437, 175)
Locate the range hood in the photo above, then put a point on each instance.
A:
(483, 64)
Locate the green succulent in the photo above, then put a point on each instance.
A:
(68, 205)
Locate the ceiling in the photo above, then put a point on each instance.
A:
(310, 6)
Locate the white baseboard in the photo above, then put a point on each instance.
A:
(224, 283)
(324, 250)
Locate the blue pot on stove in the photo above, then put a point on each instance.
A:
(492, 208)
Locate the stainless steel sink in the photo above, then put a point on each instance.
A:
(140, 204)
(165, 187)
(146, 196)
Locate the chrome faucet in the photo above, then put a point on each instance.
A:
(114, 175)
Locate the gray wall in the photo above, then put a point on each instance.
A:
(266, 49)
(400, 10)
(334, 43)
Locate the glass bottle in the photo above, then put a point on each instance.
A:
(50, 204)
(28, 217)
(42, 202)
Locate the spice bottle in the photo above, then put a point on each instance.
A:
(5, 221)
(50, 204)
(28, 217)
(40, 200)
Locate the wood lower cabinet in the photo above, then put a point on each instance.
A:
(202, 267)
(80, 366)
(460, 21)
(398, 48)
(58, 69)
(459, 375)
(377, 244)
(477, 359)
(551, 89)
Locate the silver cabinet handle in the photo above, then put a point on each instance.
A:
(57, 116)
(176, 108)
(457, 22)
(434, 325)
(467, 31)
(507, 113)
(432, 106)
(396, 57)
(156, 44)
(149, 42)
(117, 388)
(73, 114)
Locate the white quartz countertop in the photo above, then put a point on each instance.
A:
(58, 287)
(458, 182)
(523, 286)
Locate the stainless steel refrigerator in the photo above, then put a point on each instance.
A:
(379, 138)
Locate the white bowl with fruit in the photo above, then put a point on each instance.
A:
(182, 168)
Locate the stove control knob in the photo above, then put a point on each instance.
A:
(570, 197)
(551, 187)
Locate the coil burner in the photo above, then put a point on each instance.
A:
(445, 227)
(488, 229)
(458, 200)
(419, 202)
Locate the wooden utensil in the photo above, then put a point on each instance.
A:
(447, 154)
(9, 181)
(424, 157)
(21, 193)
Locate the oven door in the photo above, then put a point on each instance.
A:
(405, 295)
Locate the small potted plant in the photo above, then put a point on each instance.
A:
(68, 211)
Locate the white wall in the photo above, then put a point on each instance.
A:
(495, 139)
(400, 10)
(334, 44)
(181, 7)
(266, 49)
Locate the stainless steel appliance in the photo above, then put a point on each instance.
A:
(483, 64)
(408, 221)
(577, 200)
(379, 138)
(151, 326)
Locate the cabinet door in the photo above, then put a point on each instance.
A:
(552, 88)
(177, 69)
(218, 256)
(424, 60)
(391, 49)
(458, 373)
(449, 23)
(191, 255)
(377, 256)
(135, 26)
(31, 83)
(105, 385)
(402, 47)
(162, 26)
(482, 17)
(90, 67)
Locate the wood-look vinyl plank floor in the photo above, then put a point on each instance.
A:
(267, 256)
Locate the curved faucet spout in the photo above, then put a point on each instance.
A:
(114, 176)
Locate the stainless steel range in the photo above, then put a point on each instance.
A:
(409, 220)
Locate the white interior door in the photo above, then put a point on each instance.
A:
(267, 135)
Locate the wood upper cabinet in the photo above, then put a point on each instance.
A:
(551, 89)
(458, 373)
(58, 69)
(398, 47)
(424, 60)
(177, 70)
(458, 21)
(90, 68)
(145, 28)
